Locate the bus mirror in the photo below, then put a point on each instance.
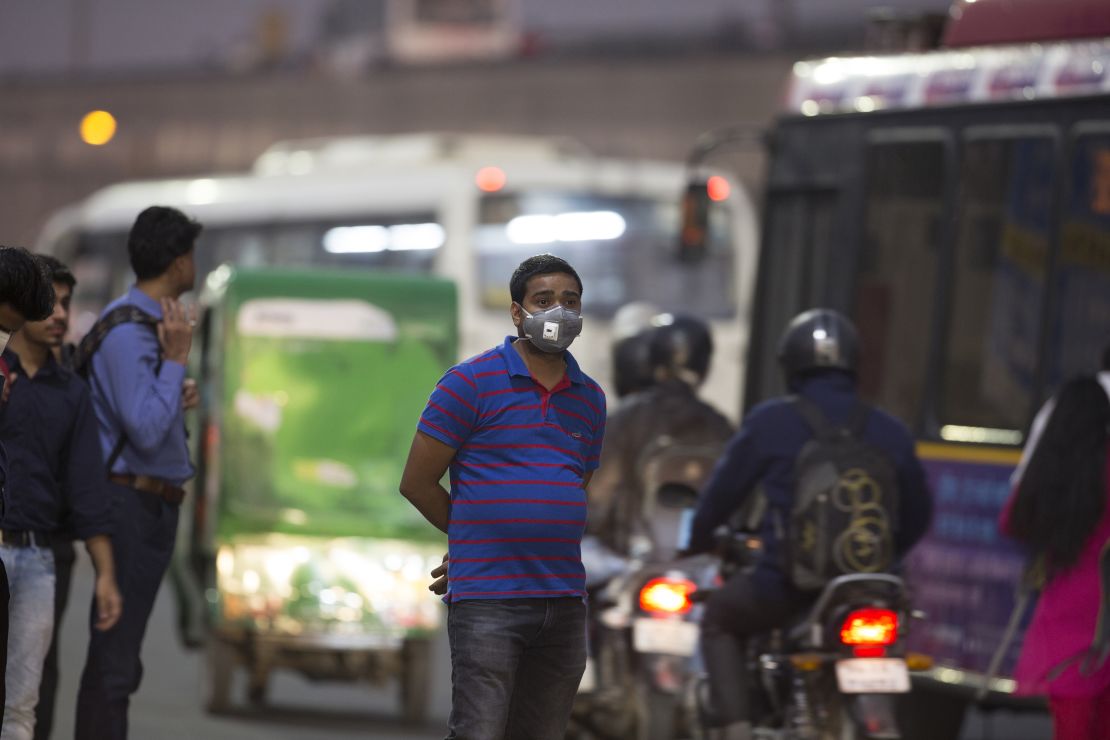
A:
(694, 232)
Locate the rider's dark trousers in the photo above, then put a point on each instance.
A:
(142, 543)
(747, 604)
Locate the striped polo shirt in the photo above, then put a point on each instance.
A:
(518, 509)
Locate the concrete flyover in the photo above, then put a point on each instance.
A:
(181, 125)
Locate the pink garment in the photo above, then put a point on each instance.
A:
(1064, 621)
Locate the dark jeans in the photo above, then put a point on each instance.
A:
(515, 667)
(142, 543)
(745, 605)
(64, 557)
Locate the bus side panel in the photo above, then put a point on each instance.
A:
(965, 573)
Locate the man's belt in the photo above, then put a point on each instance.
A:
(148, 484)
(23, 538)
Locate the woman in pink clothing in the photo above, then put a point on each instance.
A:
(1059, 511)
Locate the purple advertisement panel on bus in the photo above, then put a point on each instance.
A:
(964, 574)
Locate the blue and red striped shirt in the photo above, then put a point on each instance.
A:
(518, 508)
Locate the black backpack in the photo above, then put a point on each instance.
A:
(90, 343)
(845, 502)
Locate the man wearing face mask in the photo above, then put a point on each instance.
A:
(26, 294)
(520, 428)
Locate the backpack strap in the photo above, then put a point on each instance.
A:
(815, 418)
(82, 356)
(822, 427)
(125, 314)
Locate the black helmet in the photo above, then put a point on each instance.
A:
(819, 338)
(631, 337)
(631, 367)
(681, 345)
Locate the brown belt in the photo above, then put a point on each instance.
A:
(166, 491)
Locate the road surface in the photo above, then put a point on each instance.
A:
(168, 705)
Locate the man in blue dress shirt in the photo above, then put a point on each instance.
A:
(55, 470)
(137, 377)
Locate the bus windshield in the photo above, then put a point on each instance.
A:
(623, 248)
(320, 400)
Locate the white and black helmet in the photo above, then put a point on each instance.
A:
(818, 339)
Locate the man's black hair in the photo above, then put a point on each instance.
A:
(541, 264)
(159, 236)
(25, 284)
(57, 271)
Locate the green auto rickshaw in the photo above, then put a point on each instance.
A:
(296, 550)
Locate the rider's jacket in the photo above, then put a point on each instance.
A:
(671, 410)
(762, 456)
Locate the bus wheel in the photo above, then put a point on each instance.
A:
(219, 665)
(415, 679)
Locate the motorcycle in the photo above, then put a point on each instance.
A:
(834, 673)
(644, 625)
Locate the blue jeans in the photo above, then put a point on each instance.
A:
(31, 623)
(142, 545)
(515, 667)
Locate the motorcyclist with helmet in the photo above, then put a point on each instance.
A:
(678, 349)
(819, 354)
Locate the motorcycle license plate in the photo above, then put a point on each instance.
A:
(873, 676)
(666, 636)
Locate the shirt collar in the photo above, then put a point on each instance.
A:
(517, 366)
(146, 303)
(50, 367)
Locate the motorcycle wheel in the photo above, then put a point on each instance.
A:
(841, 724)
(656, 713)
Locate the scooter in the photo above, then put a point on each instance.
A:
(644, 626)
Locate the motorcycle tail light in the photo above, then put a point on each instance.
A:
(870, 628)
(667, 595)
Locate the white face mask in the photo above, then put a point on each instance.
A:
(4, 337)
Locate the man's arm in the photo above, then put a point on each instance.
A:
(420, 482)
(109, 603)
(915, 504)
(84, 479)
(732, 481)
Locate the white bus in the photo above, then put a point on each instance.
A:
(468, 207)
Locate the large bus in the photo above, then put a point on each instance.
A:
(465, 207)
(956, 204)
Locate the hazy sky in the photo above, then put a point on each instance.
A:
(38, 36)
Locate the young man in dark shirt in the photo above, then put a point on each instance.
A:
(55, 466)
(25, 293)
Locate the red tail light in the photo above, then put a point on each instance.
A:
(870, 628)
(667, 595)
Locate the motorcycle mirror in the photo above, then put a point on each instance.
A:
(676, 496)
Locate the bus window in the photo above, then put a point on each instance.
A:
(1081, 327)
(401, 243)
(799, 229)
(623, 248)
(897, 275)
(1001, 253)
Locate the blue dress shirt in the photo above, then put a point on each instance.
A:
(56, 471)
(132, 395)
